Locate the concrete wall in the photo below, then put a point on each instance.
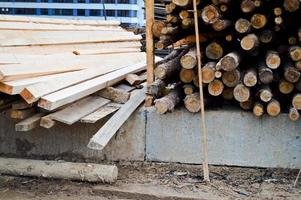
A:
(234, 138)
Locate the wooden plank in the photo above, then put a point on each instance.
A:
(29, 70)
(80, 109)
(21, 105)
(32, 93)
(101, 113)
(22, 114)
(25, 38)
(73, 93)
(108, 130)
(45, 20)
(15, 87)
(105, 51)
(55, 27)
(114, 94)
(55, 49)
(47, 121)
(29, 123)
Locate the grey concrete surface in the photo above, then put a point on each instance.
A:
(234, 138)
(70, 142)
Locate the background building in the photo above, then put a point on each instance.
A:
(126, 11)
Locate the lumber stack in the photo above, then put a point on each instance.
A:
(250, 52)
(67, 71)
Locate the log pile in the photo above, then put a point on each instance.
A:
(67, 71)
(251, 56)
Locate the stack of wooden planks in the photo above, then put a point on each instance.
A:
(58, 70)
(251, 56)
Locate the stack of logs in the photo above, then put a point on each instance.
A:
(251, 56)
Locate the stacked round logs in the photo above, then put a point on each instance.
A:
(251, 56)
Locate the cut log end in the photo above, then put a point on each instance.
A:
(192, 102)
(258, 21)
(249, 42)
(215, 88)
(241, 93)
(273, 60)
(273, 108)
(296, 102)
(210, 14)
(258, 109)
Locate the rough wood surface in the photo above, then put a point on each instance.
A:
(29, 123)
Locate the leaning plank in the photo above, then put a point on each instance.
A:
(57, 169)
(16, 86)
(22, 114)
(24, 38)
(78, 110)
(29, 123)
(104, 135)
(29, 70)
(73, 93)
(44, 20)
(55, 27)
(32, 93)
(101, 113)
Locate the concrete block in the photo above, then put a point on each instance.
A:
(70, 142)
(234, 138)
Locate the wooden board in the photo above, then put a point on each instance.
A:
(108, 130)
(29, 123)
(45, 20)
(28, 70)
(22, 114)
(24, 38)
(101, 113)
(80, 109)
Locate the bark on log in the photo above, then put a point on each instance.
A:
(241, 93)
(61, 170)
(265, 74)
(188, 61)
(228, 93)
(156, 89)
(210, 14)
(293, 114)
(188, 89)
(229, 62)
(168, 102)
(208, 72)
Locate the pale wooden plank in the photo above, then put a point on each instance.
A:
(45, 20)
(29, 123)
(32, 93)
(23, 38)
(22, 114)
(28, 70)
(109, 129)
(71, 94)
(101, 113)
(80, 109)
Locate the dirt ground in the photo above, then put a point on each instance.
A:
(226, 183)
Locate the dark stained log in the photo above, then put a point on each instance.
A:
(210, 14)
(229, 62)
(168, 102)
(242, 25)
(258, 109)
(187, 23)
(214, 51)
(273, 108)
(258, 21)
(291, 73)
(241, 93)
(208, 72)
(272, 59)
(188, 89)
(156, 89)
(196, 80)
(186, 75)
(266, 36)
(250, 77)
(228, 93)
(298, 65)
(215, 87)
(247, 105)
(296, 101)
(285, 87)
(265, 74)
(249, 42)
(192, 102)
(277, 11)
(231, 78)
(292, 40)
(291, 5)
(293, 114)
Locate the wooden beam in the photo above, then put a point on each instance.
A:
(47, 121)
(29, 123)
(78, 110)
(21, 105)
(73, 93)
(22, 114)
(107, 131)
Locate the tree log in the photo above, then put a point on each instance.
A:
(157, 28)
(192, 102)
(221, 24)
(265, 74)
(266, 36)
(208, 72)
(250, 77)
(61, 170)
(228, 93)
(272, 59)
(296, 102)
(295, 53)
(188, 61)
(168, 102)
(210, 14)
(242, 25)
(188, 89)
(285, 87)
(216, 87)
(247, 105)
(156, 88)
(265, 94)
(247, 6)
(273, 108)
(258, 109)
(229, 62)
(291, 5)
(231, 78)
(214, 51)
(291, 74)
(186, 75)
(258, 21)
(293, 114)
(249, 42)
(241, 93)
